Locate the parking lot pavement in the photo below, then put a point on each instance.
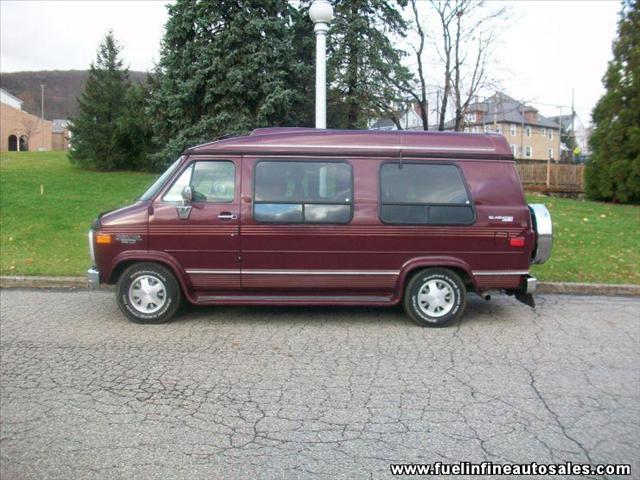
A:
(266, 392)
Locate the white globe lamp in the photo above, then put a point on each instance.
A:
(321, 14)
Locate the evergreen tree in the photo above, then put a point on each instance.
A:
(133, 135)
(613, 173)
(364, 67)
(227, 67)
(98, 138)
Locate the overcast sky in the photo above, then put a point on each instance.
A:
(549, 48)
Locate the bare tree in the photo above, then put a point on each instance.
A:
(390, 110)
(31, 125)
(446, 15)
(467, 32)
(418, 92)
(476, 38)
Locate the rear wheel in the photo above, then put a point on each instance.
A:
(148, 293)
(434, 297)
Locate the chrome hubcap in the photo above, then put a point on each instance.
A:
(436, 297)
(147, 294)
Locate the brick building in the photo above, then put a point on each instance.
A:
(61, 134)
(21, 131)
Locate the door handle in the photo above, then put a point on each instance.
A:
(227, 216)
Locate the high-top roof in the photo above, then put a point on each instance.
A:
(312, 141)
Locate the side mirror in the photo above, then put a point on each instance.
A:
(187, 194)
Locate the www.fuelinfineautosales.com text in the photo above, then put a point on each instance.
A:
(489, 468)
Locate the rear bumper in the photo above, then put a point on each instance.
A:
(530, 284)
(93, 275)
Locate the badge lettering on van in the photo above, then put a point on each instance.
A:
(501, 218)
(128, 239)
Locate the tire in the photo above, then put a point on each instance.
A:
(148, 293)
(448, 302)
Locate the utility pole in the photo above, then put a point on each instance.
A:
(321, 13)
(42, 101)
(573, 120)
(573, 110)
(521, 129)
(559, 150)
(560, 136)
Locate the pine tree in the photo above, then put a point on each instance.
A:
(227, 67)
(133, 135)
(364, 67)
(613, 173)
(103, 104)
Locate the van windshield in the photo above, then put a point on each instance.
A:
(158, 184)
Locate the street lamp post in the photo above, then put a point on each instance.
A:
(321, 13)
(42, 101)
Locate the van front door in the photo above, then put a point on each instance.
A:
(202, 235)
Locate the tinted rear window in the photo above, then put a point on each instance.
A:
(424, 194)
(413, 183)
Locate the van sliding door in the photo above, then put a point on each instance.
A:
(297, 230)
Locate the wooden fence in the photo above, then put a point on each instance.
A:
(553, 177)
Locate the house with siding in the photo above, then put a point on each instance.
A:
(531, 135)
(408, 116)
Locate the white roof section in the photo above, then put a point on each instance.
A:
(60, 124)
(10, 99)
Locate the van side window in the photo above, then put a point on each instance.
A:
(424, 194)
(210, 181)
(303, 192)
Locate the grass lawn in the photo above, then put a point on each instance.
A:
(45, 234)
(592, 242)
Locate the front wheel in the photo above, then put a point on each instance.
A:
(148, 293)
(435, 297)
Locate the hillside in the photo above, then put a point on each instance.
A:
(60, 92)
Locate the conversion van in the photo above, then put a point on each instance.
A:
(293, 216)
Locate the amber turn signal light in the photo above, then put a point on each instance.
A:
(103, 238)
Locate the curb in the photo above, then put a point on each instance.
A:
(571, 288)
(567, 288)
(20, 281)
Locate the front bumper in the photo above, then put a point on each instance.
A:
(93, 275)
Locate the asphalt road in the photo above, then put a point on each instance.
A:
(239, 392)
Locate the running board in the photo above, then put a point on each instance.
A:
(294, 300)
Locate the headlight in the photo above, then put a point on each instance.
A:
(91, 250)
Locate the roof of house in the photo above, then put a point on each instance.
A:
(383, 123)
(394, 143)
(565, 121)
(501, 108)
(59, 125)
(12, 96)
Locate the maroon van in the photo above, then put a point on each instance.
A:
(289, 216)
